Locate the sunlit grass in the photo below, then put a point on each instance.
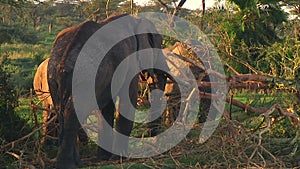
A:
(23, 60)
(25, 112)
(22, 51)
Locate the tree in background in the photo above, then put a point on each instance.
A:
(244, 28)
(250, 35)
(98, 9)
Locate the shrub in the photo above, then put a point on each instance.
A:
(11, 126)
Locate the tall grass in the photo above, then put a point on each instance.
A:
(22, 51)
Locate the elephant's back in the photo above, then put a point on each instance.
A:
(65, 51)
(40, 82)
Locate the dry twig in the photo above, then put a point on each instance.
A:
(11, 144)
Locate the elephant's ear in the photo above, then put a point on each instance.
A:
(148, 37)
(121, 34)
(83, 33)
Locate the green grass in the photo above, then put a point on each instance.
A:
(192, 154)
(22, 51)
(25, 112)
(23, 61)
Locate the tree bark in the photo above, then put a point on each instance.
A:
(131, 7)
(107, 8)
(203, 8)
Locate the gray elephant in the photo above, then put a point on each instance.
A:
(64, 54)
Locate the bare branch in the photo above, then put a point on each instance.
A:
(164, 5)
(232, 69)
(30, 134)
(245, 64)
(181, 3)
(178, 7)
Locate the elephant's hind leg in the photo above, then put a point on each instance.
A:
(68, 153)
(123, 124)
(105, 131)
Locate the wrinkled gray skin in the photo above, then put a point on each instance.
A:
(65, 51)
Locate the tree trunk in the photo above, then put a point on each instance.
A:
(131, 7)
(107, 8)
(203, 8)
(202, 17)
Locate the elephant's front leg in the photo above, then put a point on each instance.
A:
(105, 131)
(123, 130)
(68, 153)
(158, 83)
(124, 125)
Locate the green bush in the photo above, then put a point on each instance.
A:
(22, 63)
(5, 37)
(11, 126)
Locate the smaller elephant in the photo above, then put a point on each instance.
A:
(41, 88)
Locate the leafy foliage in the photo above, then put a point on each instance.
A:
(11, 126)
(16, 3)
(244, 29)
(255, 32)
(22, 64)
